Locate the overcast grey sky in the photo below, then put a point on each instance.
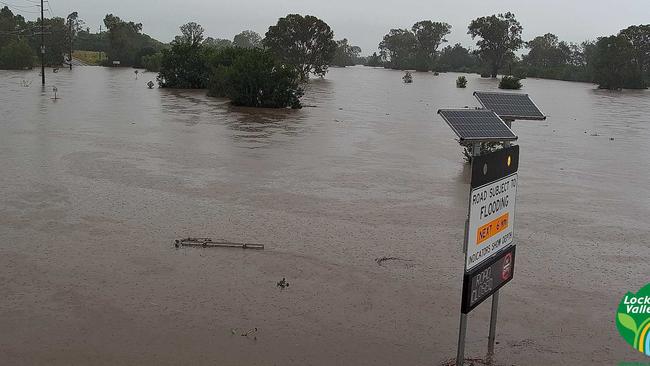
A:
(364, 22)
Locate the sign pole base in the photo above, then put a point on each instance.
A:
(493, 325)
(460, 356)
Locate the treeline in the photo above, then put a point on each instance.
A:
(614, 62)
(126, 42)
(20, 41)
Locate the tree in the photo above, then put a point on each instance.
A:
(56, 39)
(91, 41)
(75, 25)
(500, 35)
(217, 43)
(255, 78)
(127, 43)
(614, 66)
(185, 66)
(429, 36)
(547, 52)
(304, 42)
(398, 48)
(16, 55)
(548, 58)
(15, 51)
(639, 38)
(457, 58)
(191, 33)
(122, 38)
(247, 39)
(373, 60)
(152, 62)
(346, 54)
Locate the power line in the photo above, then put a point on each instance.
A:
(18, 8)
(49, 7)
(29, 29)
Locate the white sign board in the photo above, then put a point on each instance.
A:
(491, 219)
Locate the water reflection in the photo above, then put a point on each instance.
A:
(251, 127)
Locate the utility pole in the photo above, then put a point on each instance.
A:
(42, 45)
(70, 54)
(101, 53)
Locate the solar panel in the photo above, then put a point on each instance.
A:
(477, 125)
(510, 106)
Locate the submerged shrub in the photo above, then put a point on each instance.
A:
(510, 82)
(254, 78)
(461, 82)
(184, 66)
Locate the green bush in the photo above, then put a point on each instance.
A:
(185, 66)
(254, 78)
(16, 55)
(510, 82)
(461, 82)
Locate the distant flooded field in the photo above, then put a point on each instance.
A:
(96, 185)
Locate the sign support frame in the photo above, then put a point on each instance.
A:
(467, 307)
(495, 297)
(472, 296)
(462, 332)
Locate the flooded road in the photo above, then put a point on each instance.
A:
(96, 185)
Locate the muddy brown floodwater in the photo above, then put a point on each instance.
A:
(96, 185)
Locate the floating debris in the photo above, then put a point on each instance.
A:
(408, 78)
(384, 259)
(250, 332)
(209, 243)
(283, 284)
(471, 362)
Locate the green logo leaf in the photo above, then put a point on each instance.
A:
(633, 319)
(627, 321)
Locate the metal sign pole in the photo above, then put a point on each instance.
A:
(460, 355)
(495, 298)
(462, 329)
(493, 325)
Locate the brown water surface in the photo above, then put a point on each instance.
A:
(96, 185)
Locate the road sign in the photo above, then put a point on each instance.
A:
(488, 278)
(492, 205)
